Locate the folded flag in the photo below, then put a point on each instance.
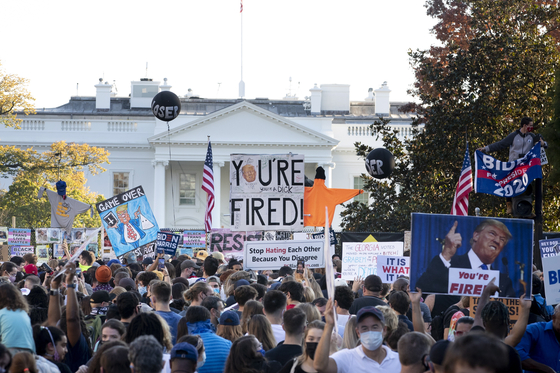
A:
(507, 179)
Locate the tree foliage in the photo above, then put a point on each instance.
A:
(496, 64)
(31, 170)
(14, 97)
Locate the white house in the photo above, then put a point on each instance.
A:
(168, 161)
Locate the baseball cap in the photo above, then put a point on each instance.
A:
(31, 269)
(213, 279)
(365, 311)
(274, 286)
(340, 282)
(100, 297)
(202, 254)
(184, 350)
(61, 188)
(127, 283)
(438, 350)
(373, 283)
(229, 318)
(241, 283)
(188, 264)
(218, 255)
(147, 261)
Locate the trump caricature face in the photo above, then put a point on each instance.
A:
(249, 173)
(489, 243)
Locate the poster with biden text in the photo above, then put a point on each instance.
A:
(460, 255)
(128, 220)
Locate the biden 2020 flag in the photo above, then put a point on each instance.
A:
(507, 179)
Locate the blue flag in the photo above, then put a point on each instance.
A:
(507, 179)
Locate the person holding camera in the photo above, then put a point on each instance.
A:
(519, 143)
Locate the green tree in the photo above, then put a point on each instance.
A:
(31, 170)
(496, 64)
(14, 97)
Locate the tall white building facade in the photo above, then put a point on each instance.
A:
(168, 161)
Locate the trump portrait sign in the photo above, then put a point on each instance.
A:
(460, 255)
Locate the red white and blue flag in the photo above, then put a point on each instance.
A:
(464, 187)
(208, 187)
(507, 179)
(241, 9)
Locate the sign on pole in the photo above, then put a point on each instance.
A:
(389, 268)
(167, 242)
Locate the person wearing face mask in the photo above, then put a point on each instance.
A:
(215, 306)
(9, 270)
(304, 363)
(183, 358)
(51, 346)
(197, 342)
(369, 357)
(214, 283)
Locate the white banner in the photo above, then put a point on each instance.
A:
(360, 258)
(470, 282)
(275, 254)
(551, 269)
(266, 192)
(389, 268)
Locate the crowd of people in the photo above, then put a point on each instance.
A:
(203, 314)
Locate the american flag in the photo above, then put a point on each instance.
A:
(241, 9)
(464, 187)
(208, 187)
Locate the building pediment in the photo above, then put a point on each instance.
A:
(244, 124)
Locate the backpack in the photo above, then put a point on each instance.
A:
(94, 325)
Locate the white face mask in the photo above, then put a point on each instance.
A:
(371, 340)
(201, 363)
(142, 290)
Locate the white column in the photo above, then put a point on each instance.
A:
(159, 191)
(328, 172)
(216, 213)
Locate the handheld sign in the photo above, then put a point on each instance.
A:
(275, 254)
(167, 242)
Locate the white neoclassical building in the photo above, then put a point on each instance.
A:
(168, 162)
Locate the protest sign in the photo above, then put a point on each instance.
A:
(21, 250)
(360, 258)
(4, 253)
(3, 234)
(513, 306)
(266, 192)
(186, 251)
(19, 236)
(550, 247)
(58, 251)
(167, 242)
(145, 251)
(42, 253)
(487, 248)
(275, 254)
(231, 243)
(78, 235)
(321, 236)
(506, 179)
(54, 235)
(551, 273)
(389, 268)
(194, 239)
(41, 235)
(128, 220)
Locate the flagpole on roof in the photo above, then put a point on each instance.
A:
(241, 82)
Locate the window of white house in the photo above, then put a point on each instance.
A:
(359, 184)
(187, 189)
(120, 182)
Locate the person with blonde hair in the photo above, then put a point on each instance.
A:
(260, 327)
(229, 327)
(391, 319)
(23, 362)
(251, 309)
(304, 363)
(350, 338)
(197, 293)
(311, 311)
(308, 294)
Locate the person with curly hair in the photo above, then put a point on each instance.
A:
(15, 324)
(246, 357)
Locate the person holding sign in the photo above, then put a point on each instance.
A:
(489, 239)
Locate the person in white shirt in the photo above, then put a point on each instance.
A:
(274, 303)
(369, 357)
(343, 299)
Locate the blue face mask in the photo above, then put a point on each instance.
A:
(216, 290)
(142, 290)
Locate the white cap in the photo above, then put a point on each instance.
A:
(340, 282)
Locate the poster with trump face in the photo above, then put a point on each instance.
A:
(460, 255)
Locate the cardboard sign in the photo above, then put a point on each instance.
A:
(551, 273)
(275, 254)
(231, 243)
(549, 247)
(58, 251)
(167, 242)
(21, 250)
(266, 192)
(360, 258)
(490, 247)
(194, 239)
(78, 235)
(144, 251)
(389, 268)
(18, 236)
(512, 304)
(54, 235)
(128, 220)
(42, 253)
(4, 253)
(41, 235)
